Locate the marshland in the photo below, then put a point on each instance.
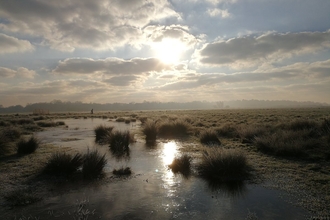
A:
(182, 164)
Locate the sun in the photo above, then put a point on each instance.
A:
(169, 50)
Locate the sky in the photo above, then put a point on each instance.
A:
(106, 51)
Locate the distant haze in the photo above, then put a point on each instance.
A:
(59, 106)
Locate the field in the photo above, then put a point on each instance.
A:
(287, 149)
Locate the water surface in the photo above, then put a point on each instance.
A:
(153, 191)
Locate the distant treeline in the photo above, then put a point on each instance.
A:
(59, 106)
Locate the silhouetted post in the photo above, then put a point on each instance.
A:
(92, 111)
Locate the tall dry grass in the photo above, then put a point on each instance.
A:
(223, 165)
(150, 130)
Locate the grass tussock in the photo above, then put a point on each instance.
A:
(122, 171)
(150, 130)
(223, 165)
(301, 124)
(143, 119)
(4, 148)
(60, 123)
(121, 119)
(12, 133)
(39, 118)
(250, 132)
(22, 121)
(228, 131)
(93, 164)
(174, 128)
(27, 146)
(119, 143)
(30, 128)
(301, 138)
(4, 123)
(102, 133)
(181, 164)
(290, 143)
(325, 126)
(209, 137)
(46, 124)
(62, 163)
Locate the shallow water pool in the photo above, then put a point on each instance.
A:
(153, 191)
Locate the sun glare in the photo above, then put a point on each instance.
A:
(169, 152)
(169, 50)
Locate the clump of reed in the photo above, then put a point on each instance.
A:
(102, 133)
(4, 148)
(300, 138)
(150, 130)
(249, 133)
(223, 165)
(30, 128)
(46, 123)
(22, 121)
(289, 143)
(93, 164)
(143, 119)
(12, 133)
(119, 142)
(176, 128)
(301, 124)
(122, 171)
(181, 164)
(121, 119)
(39, 118)
(59, 123)
(27, 146)
(61, 163)
(228, 131)
(4, 123)
(209, 137)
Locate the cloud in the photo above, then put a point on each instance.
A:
(216, 2)
(122, 80)
(303, 72)
(212, 2)
(250, 51)
(158, 33)
(10, 44)
(216, 12)
(110, 66)
(21, 72)
(7, 73)
(71, 24)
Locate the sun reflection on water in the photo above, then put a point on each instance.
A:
(169, 152)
